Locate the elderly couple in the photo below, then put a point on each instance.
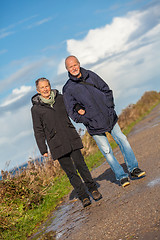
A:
(86, 99)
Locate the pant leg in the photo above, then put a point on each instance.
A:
(69, 168)
(106, 150)
(83, 170)
(125, 148)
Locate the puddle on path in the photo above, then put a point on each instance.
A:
(64, 220)
(154, 182)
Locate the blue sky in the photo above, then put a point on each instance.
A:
(119, 40)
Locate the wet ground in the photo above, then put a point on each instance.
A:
(122, 214)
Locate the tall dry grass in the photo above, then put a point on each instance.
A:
(44, 171)
(134, 111)
(30, 183)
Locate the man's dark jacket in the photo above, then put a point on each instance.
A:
(97, 101)
(54, 126)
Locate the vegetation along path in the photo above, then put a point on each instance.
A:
(122, 214)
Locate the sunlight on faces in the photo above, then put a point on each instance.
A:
(73, 66)
(44, 89)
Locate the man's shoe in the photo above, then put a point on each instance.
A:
(96, 195)
(86, 202)
(137, 173)
(124, 182)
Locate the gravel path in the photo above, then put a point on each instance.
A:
(122, 214)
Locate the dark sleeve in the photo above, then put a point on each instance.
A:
(39, 131)
(72, 105)
(103, 87)
(77, 107)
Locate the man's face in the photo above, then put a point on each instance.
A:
(73, 67)
(44, 89)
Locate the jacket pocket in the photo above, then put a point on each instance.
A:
(52, 134)
(54, 141)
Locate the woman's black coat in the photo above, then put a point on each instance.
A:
(54, 126)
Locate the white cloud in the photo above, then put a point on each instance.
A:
(61, 67)
(20, 75)
(102, 42)
(5, 34)
(38, 23)
(16, 140)
(26, 72)
(134, 69)
(13, 25)
(121, 35)
(26, 19)
(17, 94)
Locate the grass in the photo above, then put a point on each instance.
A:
(26, 202)
(128, 128)
(20, 222)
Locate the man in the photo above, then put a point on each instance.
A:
(52, 124)
(89, 100)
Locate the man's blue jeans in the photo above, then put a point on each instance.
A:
(125, 148)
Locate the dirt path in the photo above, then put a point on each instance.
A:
(122, 214)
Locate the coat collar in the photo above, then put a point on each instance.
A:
(36, 99)
(84, 76)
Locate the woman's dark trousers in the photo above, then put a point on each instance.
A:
(72, 162)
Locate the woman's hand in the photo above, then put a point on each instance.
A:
(45, 155)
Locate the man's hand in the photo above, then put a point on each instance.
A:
(81, 111)
(45, 155)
